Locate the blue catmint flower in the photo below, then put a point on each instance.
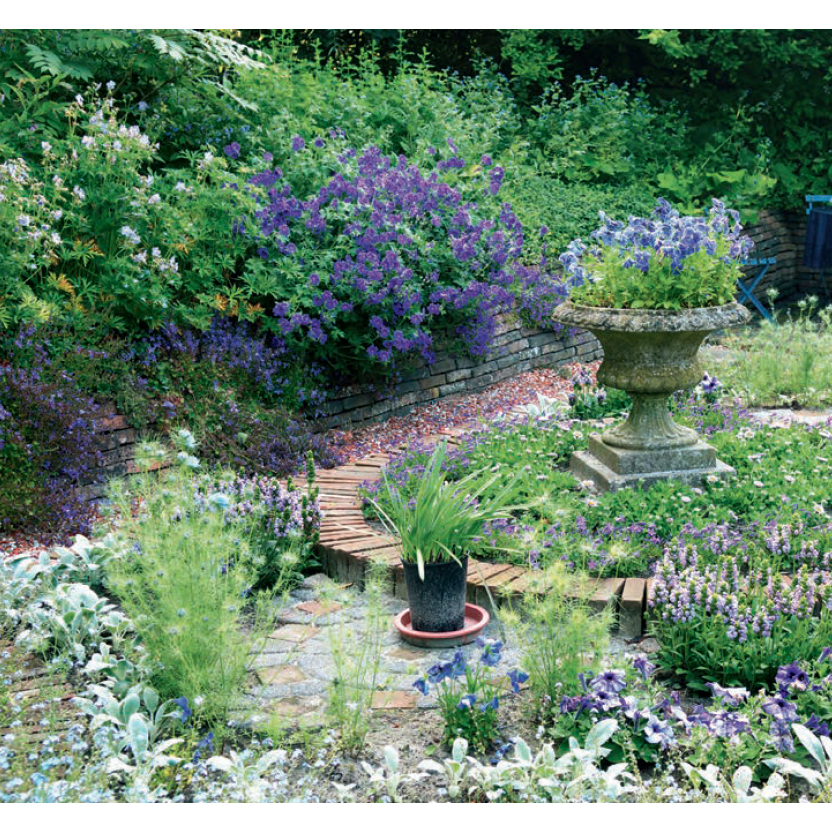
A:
(517, 678)
(182, 702)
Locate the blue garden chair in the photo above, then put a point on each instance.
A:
(747, 288)
(817, 253)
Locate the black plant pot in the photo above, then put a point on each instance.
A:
(437, 604)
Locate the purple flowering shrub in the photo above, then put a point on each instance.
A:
(257, 440)
(47, 450)
(385, 261)
(282, 522)
(233, 386)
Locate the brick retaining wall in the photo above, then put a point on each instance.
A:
(516, 350)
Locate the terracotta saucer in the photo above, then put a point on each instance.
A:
(476, 619)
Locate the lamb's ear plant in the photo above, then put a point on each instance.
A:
(454, 768)
(738, 789)
(820, 748)
(443, 519)
(386, 779)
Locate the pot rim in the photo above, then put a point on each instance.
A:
(619, 319)
(460, 561)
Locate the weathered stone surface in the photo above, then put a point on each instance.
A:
(631, 611)
(650, 354)
(585, 466)
(625, 462)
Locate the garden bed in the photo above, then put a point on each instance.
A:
(625, 546)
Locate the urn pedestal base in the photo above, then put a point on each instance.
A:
(611, 468)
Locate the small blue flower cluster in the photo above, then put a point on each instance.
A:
(469, 696)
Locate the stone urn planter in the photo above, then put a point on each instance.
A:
(650, 354)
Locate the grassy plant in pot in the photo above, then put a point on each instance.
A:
(437, 528)
(650, 291)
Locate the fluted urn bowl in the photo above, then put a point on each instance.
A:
(650, 354)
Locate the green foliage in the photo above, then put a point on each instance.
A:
(786, 362)
(415, 110)
(468, 695)
(568, 209)
(94, 239)
(41, 69)
(707, 648)
(443, 520)
(603, 132)
(183, 580)
(562, 638)
(357, 660)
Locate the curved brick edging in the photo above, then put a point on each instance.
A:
(348, 545)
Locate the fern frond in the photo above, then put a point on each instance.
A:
(168, 47)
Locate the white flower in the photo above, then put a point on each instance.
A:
(132, 237)
(186, 438)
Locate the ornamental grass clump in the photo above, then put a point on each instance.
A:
(666, 261)
(443, 520)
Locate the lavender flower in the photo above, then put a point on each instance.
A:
(792, 676)
(609, 682)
